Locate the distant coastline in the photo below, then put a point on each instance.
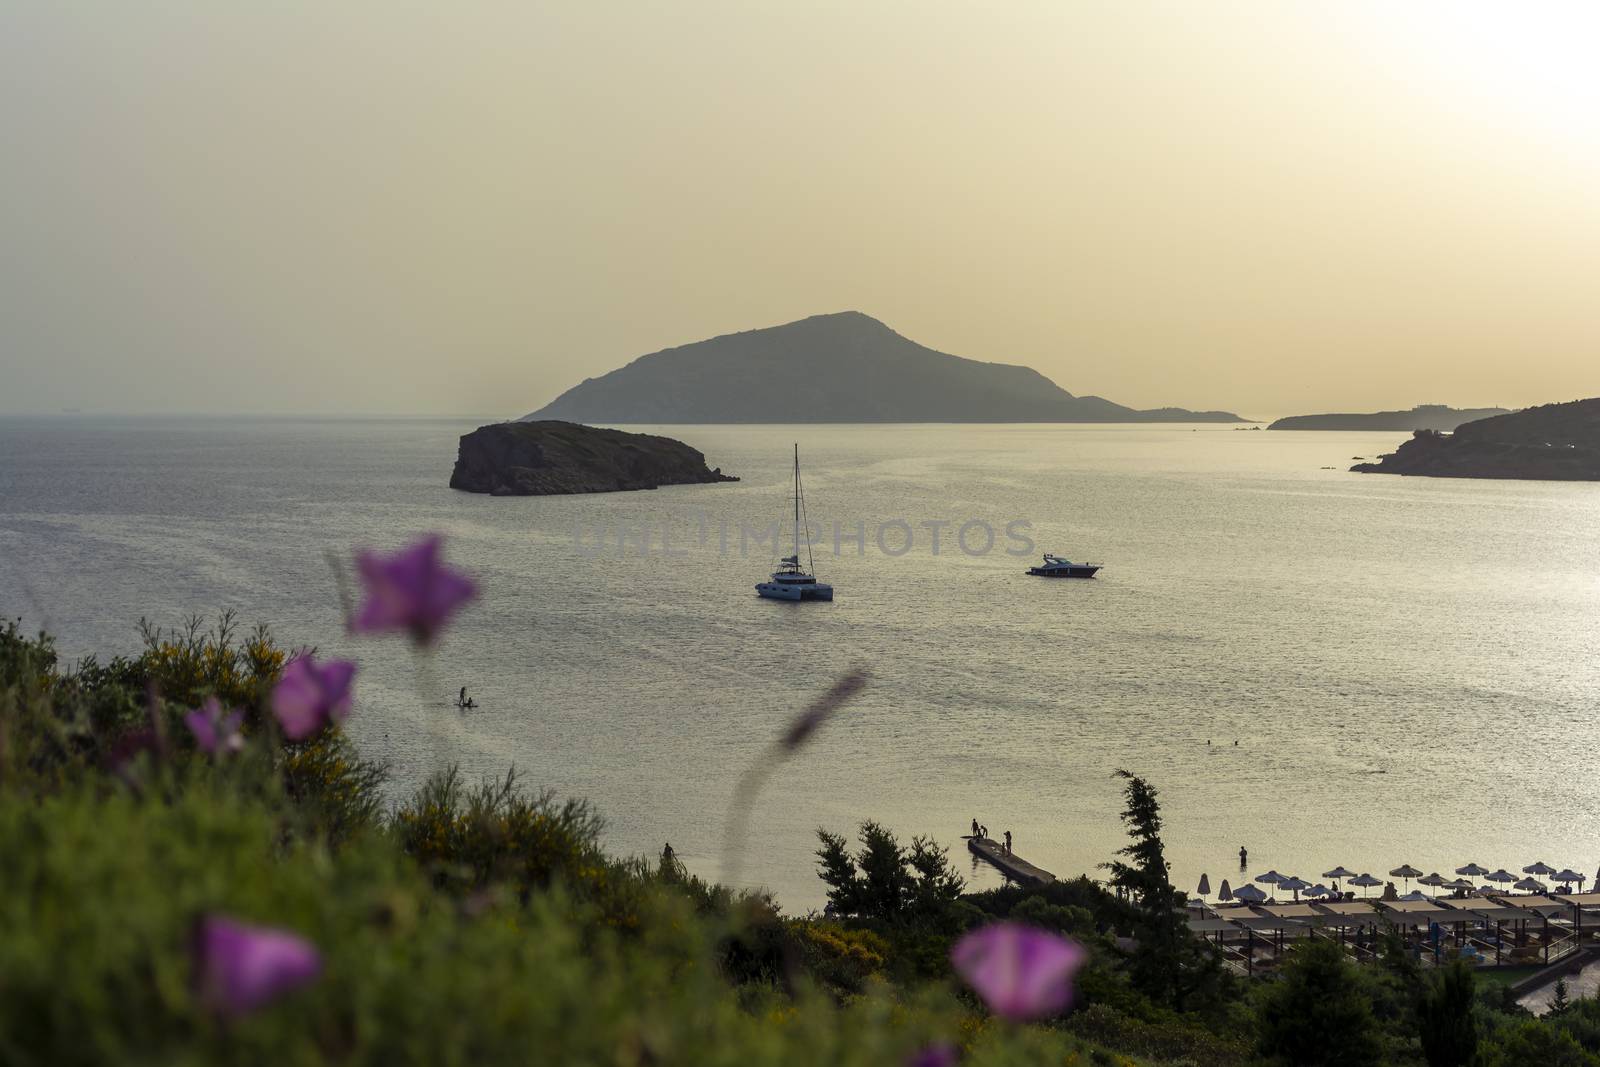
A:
(1422, 417)
(839, 368)
(1555, 442)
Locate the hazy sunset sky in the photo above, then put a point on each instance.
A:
(383, 206)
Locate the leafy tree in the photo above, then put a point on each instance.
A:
(1069, 919)
(1581, 1021)
(1536, 1042)
(884, 880)
(1445, 1021)
(885, 883)
(1318, 1013)
(934, 882)
(837, 869)
(1169, 964)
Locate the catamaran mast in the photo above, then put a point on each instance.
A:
(797, 503)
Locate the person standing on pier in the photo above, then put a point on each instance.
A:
(1008, 842)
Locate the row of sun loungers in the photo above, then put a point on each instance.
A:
(1486, 930)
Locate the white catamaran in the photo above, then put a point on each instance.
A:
(789, 582)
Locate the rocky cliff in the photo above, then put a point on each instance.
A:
(1555, 442)
(547, 458)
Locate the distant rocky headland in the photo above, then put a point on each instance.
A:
(1552, 442)
(846, 367)
(550, 457)
(1421, 417)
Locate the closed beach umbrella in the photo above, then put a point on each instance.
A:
(1531, 885)
(1406, 871)
(1472, 870)
(1205, 886)
(1223, 892)
(1250, 894)
(1539, 870)
(1434, 880)
(1365, 881)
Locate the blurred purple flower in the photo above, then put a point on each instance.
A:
(410, 591)
(239, 968)
(822, 709)
(311, 697)
(941, 1054)
(122, 759)
(127, 748)
(214, 733)
(1021, 972)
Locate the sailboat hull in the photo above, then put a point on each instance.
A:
(787, 591)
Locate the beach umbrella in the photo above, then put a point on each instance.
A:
(1531, 885)
(1365, 881)
(1434, 880)
(1205, 886)
(1406, 871)
(1568, 876)
(1270, 878)
(1472, 870)
(1250, 894)
(1319, 890)
(1502, 875)
(1459, 883)
(1539, 870)
(1295, 885)
(1415, 894)
(1338, 873)
(1223, 892)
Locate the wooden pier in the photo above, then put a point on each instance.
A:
(1010, 864)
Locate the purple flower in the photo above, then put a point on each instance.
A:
(939, 1054)
(311, 697)
(1022, 973)
(410, 591)
(239, 968)
(214, 733)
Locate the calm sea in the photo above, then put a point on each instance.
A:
(1327, 668)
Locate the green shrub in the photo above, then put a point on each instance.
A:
(497, 832)
(1317, 1011)
(101, 890)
